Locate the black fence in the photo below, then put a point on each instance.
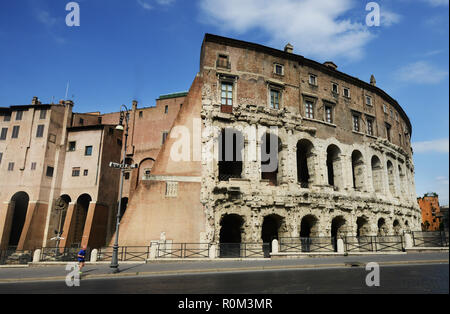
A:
(430, 238)
(12, 256)
(374, 244)
(124, 254)
(183, 250)
(308, 245)
(243, 250)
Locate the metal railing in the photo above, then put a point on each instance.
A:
(243, 250)
(12, 256)
(374, 244)
(430, 238)
(125, 254)
(307, 245)
(183, 250)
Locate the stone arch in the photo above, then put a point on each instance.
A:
(145, 167)
(397, 227)
(362, 227)
(358, 170)
(334, 167)
(271, 147)
(377, 174)
(19, 205)
(338, 227)
(402, 180)
(80, 215)
(382, 227)
(305, 163)
(230, 237)
(271, 226)
(391, 178)
(309, 226)
(231, 150)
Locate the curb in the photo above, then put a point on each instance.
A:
(220, 270)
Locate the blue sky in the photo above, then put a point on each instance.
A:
(140, 49)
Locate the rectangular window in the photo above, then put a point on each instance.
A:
(33, 166)
(19, 115)
(126, 176)
(166, 110)
(356, 123)
(346, 92)
(11, 166)
(329, 114)
(164, 137)
(385, 109)
(370, 127)
(275, 99)
(81, 121)
(227, 94)
(309, 109)
(222, 62)
(43, 114)
(388, 132)
(15, 132)
(313, 79)
(40, 131)
(141, 114)
(49, 172)
(279, 69)
(335, 88)
(400, 139)
(7, 117)
(88, 151)
(72, 146)
(3, 133)
(368, 101)
(86, 172)
(392, 113)
(75, 172)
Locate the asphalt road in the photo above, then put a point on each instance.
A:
(424, 278)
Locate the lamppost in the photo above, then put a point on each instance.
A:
(124, 115)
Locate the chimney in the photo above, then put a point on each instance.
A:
(134, 105)
(61, 102)
(289, 48)
(373, 81)
(331, 65)
(35, 101)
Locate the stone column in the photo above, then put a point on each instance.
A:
(69, 224)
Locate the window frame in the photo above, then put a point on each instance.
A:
(356, 117)
(343, 92)
(315, 80)
(329, 107)
(3, 134)
(227, 92)
(40, 130)
(19, 115)
(309, 112)
(15, 131)
(91, 148)
(76, 171)
(69, 148)
(280, 66)
(272, 103)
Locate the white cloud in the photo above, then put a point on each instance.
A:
(314, 27)
(436, 3)
(45, 18)
(144, 5)
(434, 146)
(389, 18)
(442, 180)
(421, 72)
(147, 6)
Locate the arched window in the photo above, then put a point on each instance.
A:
(358, 170)
(377, 174)
(334, 167)
(19, 205)
(271, 147)
(305, 163)
(391, 179)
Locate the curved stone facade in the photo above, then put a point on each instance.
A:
(344, 154)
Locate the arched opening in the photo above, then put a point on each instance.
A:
(377, 174)
(80, 215)
(271, 147)
(61, 206)
(362, 227)
(402, 180)
(231, 147)
(230, 235)
(397, 227)
(308, 228)
(19, 203)
(334, 167)
(382, 228)
(145, 167)
(390, 170)
(358, 170)
(305, 166)
(270, 231)
(337, 230)
(123, 207)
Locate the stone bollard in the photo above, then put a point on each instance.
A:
(212, 251)
(408, 241)
(94, 255)
(340, 246)
(153, 249)
(37, 256)
(275, 248)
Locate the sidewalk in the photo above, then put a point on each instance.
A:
(158, 268)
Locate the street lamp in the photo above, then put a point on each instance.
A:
(124, 115)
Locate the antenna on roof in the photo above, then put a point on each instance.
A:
(67, 90)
